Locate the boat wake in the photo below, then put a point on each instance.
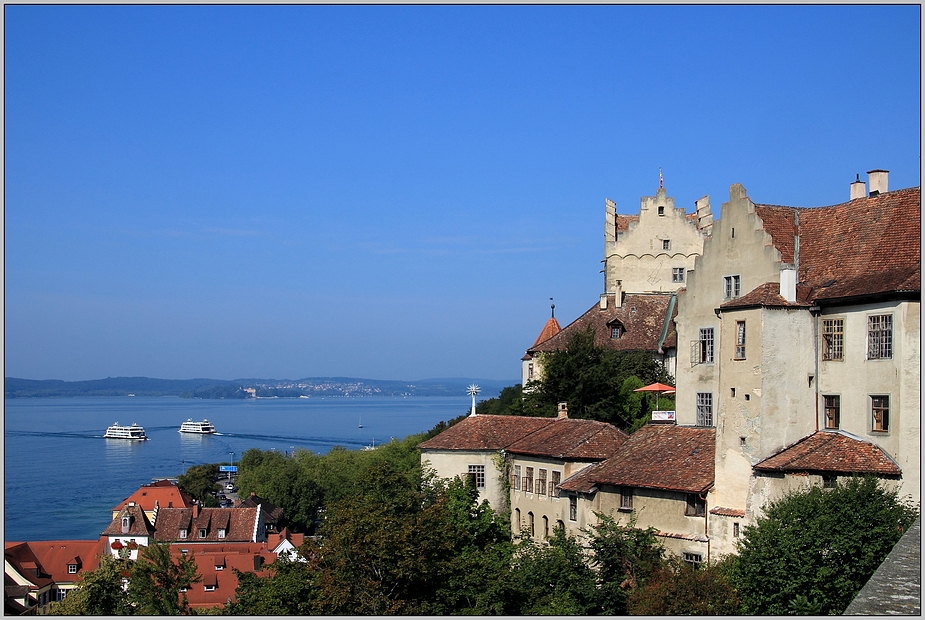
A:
(292, 439)
(71, 434)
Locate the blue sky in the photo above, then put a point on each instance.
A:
(396, 192)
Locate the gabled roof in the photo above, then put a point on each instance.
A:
(271, 512)
(164, 492)
(641, 315)
(657, 456)
(24, 561)
(239, 524)
(832, 451)
(485, 432)
(56, 555)
(876, 241)
(139, 524)
(246, 557)
(572, 439)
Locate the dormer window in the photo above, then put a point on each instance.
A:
(183, 533)
(71, 569)
(202, 532)
(221, 532)
(615, 331)
(126, 524)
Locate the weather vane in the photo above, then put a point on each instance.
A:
(473, 392)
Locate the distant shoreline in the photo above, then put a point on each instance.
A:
(248, 388)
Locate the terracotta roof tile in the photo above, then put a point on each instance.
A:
(238, 524)
(657, 456)
(24, 560)
(164, 492)
(623, 222)
(239, 556)
(832, 451)
(485, 432)
(56, 555)
(727, 512)
(877, 242)
(569, 438)
(767, 295)
(138, 525)
(641, 317)
(549, 330)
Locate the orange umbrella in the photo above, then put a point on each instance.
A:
(658, 388)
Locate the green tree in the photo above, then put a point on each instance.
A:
(678, 589)
(98, 592)
(199, 482)
(508, 402)
(591, 379)
(554, 578)
(625, 557)
(157, 580)
(814, 549)
(289, 589)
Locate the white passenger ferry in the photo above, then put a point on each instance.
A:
(132, 433)
(200, 428)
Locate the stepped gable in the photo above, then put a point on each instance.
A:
(164, 492)
(139, 525)
(832, 451)
(238, 523)
(657, 456)
(875, 242)
(641, 318)
(56, 555)
(569, 438)
(485, 432)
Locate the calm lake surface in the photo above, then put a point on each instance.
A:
(62, 479)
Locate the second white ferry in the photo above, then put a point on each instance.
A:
(199, 428)
(132, 433)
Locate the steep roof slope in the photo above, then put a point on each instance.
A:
(657, 456)
(485, 432)
(867, 246)
(569, 438)
(164, 492)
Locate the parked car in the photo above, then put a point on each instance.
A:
(229, 486)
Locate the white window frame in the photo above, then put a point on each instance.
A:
(704, 408)
(740, 340)
(883, 406)
(479, 472)
(703, 349)
(677, 274)
(71, 569)
(880, 336)
(833, 339)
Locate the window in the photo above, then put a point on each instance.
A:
(696, 506)
(71, 569)
(541, 483)
(183, 533)
(545, 526)
(626, 498)
(615, 331)
(833, 338)
(702, 349)
(556, 479)
(573, 508)
(532, 524)
(530, 370)
(210, 588)
(677, 274)
(184, 589)
(880, 408)
(202, 532)
(880, 337)
(832, 410)
(740, 340)
(528, 480)
(478, 471)
(221, 532)
(666, 244)
(516, 477)
(828, 481)
(694, 559)
(704, 408)
(517, 524)
(661, 210)
(560, 524)
(735, 529)
(731, 287)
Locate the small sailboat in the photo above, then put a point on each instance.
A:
(361, 421)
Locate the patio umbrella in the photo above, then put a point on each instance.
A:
(658, 388)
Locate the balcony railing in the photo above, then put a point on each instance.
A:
(528, 484)
(541, 486)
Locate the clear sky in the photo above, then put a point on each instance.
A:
(396, 192)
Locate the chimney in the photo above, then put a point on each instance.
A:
(788, 284)
(196, 511)
(858, 188)
(877, 180)
(563, 411)
(603, 305)
(618, 294)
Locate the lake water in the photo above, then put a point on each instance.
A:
(62, 479)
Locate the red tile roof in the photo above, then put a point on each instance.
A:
(642, 317)
(139, 525)
(727, 512)
(485, 432)
(549, 330)
(832, 451)
(767, 295)
(22, 558)
(876, 242)
(238, 523)
(568, 438)
(229, 557)
(657, 456)
(164, 492)
(56, 555)
(623, 222)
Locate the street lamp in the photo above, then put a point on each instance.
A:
(232, 464)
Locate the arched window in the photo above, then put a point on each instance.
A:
(545, 526)
(532, 524)
(517, 519)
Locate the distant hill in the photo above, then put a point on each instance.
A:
(219, 388)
